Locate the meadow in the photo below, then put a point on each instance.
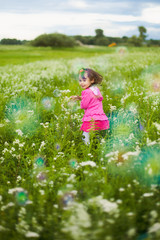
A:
(53, 186)
(24, 54)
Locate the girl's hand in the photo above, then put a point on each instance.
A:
(76, 98)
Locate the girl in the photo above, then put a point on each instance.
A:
(91, 101)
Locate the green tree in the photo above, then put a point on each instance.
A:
(101, 41)
(53, 40)
(142, 33)
(10, 41)
(99, 33)
(136, 41)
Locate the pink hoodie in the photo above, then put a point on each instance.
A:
(92, 104)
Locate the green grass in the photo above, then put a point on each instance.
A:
(24, 54)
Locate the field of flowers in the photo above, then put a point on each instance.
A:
(52, 186)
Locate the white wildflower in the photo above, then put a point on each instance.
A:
(133, 109)
(121, 189)
(157, 125)
(10, 204)
(55, 205)
(112, 108)
(104, 204)
(7, 121)
(147, 194)
(135, 181)
(71, 178)
(131, 232)
(150, 143)
(154, 214)
(19, 178)
(31, 234)
(130, 214)
(13, 190)
(119, 201)
(90, 163)
(20, 133)
(42, 144)
(154, 228)
(69, 185)
(41, 192)
(76, 223)
(5, 150)
(126, 155)
(16, 141)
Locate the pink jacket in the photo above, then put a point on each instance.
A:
(92, 104)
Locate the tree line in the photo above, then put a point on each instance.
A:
(12, 41)
(62, 40)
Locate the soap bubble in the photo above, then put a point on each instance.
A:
(76, 66)
(41, 176)
(73, 163)
(48, 103)
(73, 105)
(117, 86)
(40, 162)
(148, 165)
(124, 130)
(121, 51)
(151, 76)
(22, 113)
(56, 93)
(21, 197)
(67, 199)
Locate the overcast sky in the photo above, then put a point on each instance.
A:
(26, 19)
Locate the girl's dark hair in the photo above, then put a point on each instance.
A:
(91, 75)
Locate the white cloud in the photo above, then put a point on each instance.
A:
(77, 4)
(151, 14)
(30, 25)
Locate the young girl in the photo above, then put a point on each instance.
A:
(91, 101)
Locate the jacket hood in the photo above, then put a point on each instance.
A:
(96, 92)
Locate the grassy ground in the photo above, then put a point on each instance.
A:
(25, 54)
(53, 186)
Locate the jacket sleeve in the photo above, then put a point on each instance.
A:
(86, 98)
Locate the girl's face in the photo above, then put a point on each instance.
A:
(84, 81)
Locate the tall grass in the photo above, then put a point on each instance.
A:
(55, 187)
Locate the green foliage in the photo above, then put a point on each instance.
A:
(101, 41)
(135, 41)
(142, 32)
(10, 41)
(61, 40)
(153, 42)
(99, 33)
(53, 40)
